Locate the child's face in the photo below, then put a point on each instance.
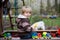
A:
(27, 13)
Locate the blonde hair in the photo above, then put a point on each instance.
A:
(26, 8)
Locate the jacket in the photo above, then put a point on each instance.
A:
(23, 24)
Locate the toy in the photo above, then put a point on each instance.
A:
(53, 34)
(58, 33)
(8, 36)
(48, 35)
(5, 35)
(34, 35)
(38, 25)
(39, 35)
(44, 34)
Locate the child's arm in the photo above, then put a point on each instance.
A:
(17, 20)
(23, 24)
(26, 25)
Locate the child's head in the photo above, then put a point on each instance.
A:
(26, 11)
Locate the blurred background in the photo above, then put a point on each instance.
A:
(47, 10)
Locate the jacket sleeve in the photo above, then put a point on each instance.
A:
(17, 20)
(24, 24)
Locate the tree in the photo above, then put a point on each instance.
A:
(56, 5)
(16, 7)
(1, 13)
(23, 2)
(41, 7)
(59, 7)
(48, 6)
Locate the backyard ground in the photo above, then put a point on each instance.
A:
(48, 21)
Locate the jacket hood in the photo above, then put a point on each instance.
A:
(21, 16)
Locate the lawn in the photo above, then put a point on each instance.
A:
(48, 22)
(52, 22)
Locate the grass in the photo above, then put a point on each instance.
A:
(48, 22)
(52, 22)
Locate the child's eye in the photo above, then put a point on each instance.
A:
(29, 12)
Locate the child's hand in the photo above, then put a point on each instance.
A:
(29, 29)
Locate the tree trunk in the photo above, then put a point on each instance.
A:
(48, 6)
(23, 2)
(1, 14)
(41, 7)
(56, 5)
